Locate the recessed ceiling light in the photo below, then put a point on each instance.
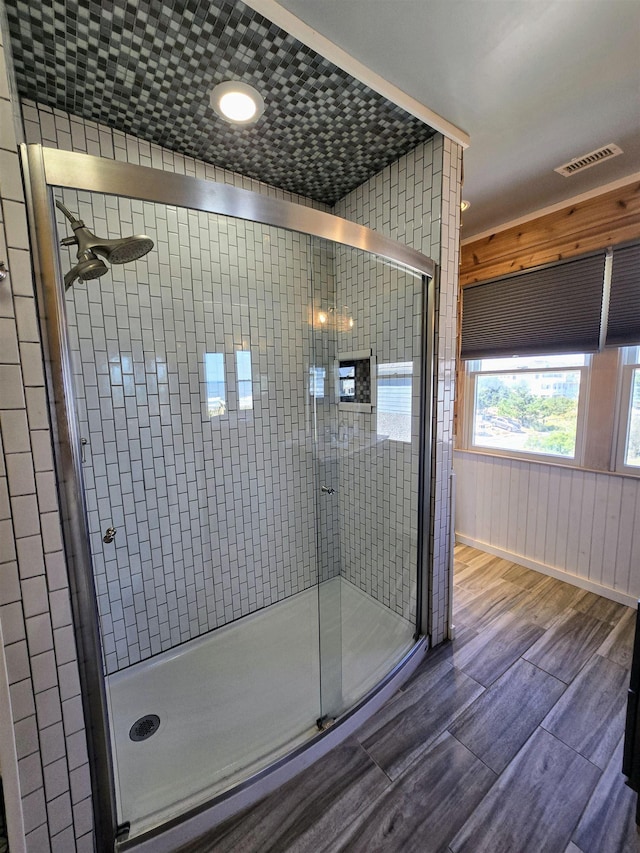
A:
(464, 205)
(237, 102)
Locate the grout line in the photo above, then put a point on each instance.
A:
(551, 675)
(480, 759)
(377, 765)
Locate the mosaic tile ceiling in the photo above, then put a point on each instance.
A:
(147, 67)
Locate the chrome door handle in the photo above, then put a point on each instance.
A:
(327, 490)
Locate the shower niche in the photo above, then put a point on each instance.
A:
(268, 564)
(356, 381)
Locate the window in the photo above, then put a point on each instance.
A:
(629, 434)
(347, 374)
(317, 377)
(215, 384)
(522, 397)
(355, 373)
(394, 400)
(245, 380)
(528, 405)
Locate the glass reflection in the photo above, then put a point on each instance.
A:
(394, 400)
(215, 384)
(245, 381)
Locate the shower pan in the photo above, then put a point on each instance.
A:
(242, 410)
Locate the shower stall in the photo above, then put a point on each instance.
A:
(242, 417)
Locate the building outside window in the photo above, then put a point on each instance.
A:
(394, 393)
(215, 384)
(628, 456)
(245, 380)
(528, 405)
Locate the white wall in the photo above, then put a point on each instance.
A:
(45, 706)
(378, 495)
(403, 201)
(417, 201)
(580, 526)
(214, 515)
(378, 475)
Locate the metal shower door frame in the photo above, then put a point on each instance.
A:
(46, 168)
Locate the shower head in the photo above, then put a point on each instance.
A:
(118, 251)
(87, 268)
(123, 250)
(90, 267)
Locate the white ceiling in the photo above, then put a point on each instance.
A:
(533, 82)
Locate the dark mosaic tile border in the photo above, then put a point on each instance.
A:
(147, 66)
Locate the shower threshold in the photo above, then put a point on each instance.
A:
(232, 702)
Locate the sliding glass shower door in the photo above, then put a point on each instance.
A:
(191, 371)
(365, 383)
(246, 408)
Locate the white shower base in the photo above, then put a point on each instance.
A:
(235, 700)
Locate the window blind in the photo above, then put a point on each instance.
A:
(552, 309)
(623, 328)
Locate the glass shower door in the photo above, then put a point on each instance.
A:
(239, 413)
(190, 371)
(248, 400)
(365, 383)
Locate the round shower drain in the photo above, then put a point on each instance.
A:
(144, 727)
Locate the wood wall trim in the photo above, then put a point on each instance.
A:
(601, 410)
(605, 220)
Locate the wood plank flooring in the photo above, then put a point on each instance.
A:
(506, 740)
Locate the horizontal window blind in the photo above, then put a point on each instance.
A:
(623, 327)
(554, 309)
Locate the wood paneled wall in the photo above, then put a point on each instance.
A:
(605, 220)
(580, 526)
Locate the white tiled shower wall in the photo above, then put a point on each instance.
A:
(145, 610)
(215, 513)
(378, 475)
(405, 190)
(417, 201)
(446, 348)
(50, 806)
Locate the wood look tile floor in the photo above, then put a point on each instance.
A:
(506, 740)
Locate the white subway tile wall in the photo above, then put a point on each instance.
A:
(417, 201)
(214, 503)
(187, 559)
(35, 612)
(446, 344)
(378, 476)
(324, 399)
(409, 183)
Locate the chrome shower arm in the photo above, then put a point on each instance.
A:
(68, 213)
(76, 224)
(70, 277)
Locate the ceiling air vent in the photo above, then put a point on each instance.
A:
(587, 160)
